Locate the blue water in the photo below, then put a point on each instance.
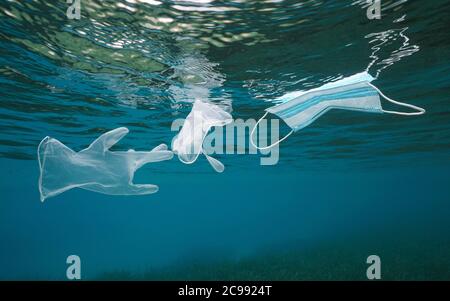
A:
(370, 182)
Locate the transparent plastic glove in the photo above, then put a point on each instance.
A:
(188, 144)
(95, 168)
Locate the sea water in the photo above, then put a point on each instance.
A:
(348, 186)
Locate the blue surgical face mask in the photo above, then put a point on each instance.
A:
(356, 93)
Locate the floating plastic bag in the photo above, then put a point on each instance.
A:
(95, 168)
(188, 144)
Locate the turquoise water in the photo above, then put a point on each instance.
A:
(349, 185)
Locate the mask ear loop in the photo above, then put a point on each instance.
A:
(41, 161)
(273, 144)
(419, 110)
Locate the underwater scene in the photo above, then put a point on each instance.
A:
(134, 139)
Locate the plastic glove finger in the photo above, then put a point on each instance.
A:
(153, 156)
(215, 115)
(161, 147)
(162, 155)
(216, 164)
(105, 141)
(156, 156)
(143, 188)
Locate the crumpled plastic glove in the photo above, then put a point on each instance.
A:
(188, 144)
(95, 168)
